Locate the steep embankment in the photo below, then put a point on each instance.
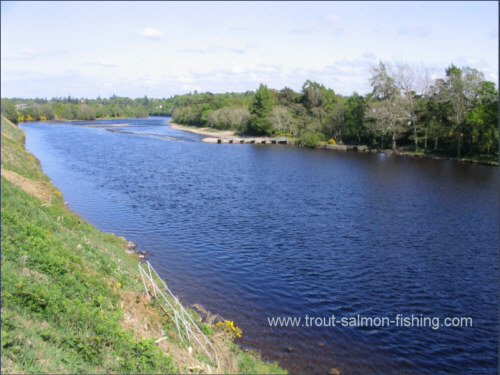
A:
(72, 297)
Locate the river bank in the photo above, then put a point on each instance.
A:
(231, 137)
(214, 135)
(435, 157)
(72, 296)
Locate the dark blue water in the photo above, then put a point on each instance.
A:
(258, 231)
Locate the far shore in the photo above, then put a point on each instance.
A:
(213, 135)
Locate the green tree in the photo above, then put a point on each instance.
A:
(67, 112)
(482, 120)
(355, 116)
(287, 97)
(9, 110)
(85, 112)
(312, 99)
(336, 123)
(260, 111)
(461, 92)
(437, 112)
(384, 86)
(47, 111)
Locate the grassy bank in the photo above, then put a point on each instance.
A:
(72, 298)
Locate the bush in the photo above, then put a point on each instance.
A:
(310, 139)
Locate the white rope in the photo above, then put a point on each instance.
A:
(151, 277)
(191, 319)
(178, 315)
(144, 282)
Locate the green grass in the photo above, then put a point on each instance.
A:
(59, 293)
(11, 131)
(249, 363)
(62, 281)
(60, 309)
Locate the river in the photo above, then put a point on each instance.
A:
(255, 232)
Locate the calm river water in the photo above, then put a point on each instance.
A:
(253, 232)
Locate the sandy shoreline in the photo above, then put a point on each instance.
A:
(213, 135)
(205, 131)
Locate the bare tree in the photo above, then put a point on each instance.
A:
(425, 84)
(387, 119)
(281, 119)
(406, 79)
(386, 112)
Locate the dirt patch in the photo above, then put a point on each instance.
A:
(139, 315)
(33, 273)
(9, 366)
(36, 188)
(145, 321)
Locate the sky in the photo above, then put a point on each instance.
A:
(160, 49)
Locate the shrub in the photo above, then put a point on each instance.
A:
(310, 139)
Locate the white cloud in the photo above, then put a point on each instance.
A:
(369, 55)
(302, 30)
(239, 48)
(152, 34)
(481, 65)
(253, 69)
(333, 17)
(237, 69)
(103, 63)
(210, 49)
(184, 79)
(413, 31)
(31, 54)
(25, 55)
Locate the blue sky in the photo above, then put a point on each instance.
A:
(159, 49)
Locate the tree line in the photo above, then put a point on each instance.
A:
(70, 108)
(20, 109)
(407, 108)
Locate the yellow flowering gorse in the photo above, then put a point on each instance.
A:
(228, 325)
